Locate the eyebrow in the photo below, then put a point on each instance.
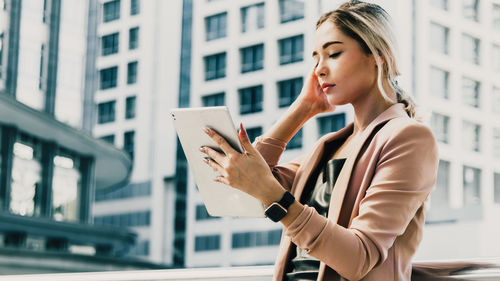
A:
(326, 45)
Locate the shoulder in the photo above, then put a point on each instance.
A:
(405, 129)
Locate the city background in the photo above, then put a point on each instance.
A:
(92, 176)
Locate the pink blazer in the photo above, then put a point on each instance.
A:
(376, 213)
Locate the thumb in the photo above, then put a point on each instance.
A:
(245, 141)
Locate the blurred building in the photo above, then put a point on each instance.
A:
(50, 167)
(138, 63)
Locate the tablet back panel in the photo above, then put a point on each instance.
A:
(219, 199)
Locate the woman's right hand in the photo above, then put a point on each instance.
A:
(313, 97)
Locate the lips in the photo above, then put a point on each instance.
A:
(327, 86)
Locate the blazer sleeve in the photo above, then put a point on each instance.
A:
(272, 149)
(405, 175)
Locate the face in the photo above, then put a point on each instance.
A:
(345, 72)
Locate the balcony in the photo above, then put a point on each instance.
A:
(479, 269)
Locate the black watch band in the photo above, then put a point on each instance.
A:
(277, 210)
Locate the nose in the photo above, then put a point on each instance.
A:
(321, 69)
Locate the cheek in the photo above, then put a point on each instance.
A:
(353, 74)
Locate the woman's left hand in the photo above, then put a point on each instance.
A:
(247, 171)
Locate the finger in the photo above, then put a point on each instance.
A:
(215, 155)
(222, 179)
(245, 141)
(214, 165)
(220, 141)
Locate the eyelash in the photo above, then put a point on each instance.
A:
(332, 56)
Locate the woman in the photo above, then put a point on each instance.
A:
(359, 196)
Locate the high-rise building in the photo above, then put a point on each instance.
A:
(138, 63)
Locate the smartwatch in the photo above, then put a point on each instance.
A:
(277, 210)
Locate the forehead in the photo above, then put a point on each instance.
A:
(326, 32)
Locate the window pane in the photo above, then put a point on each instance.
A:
(470, 92)
(132, 72)
(440, 195)
(470, 49)
(439, 38)
(215, 66)
(109, 138)
(440, 4)
(472, 186)
(215, 26)
(109, 44)
(207, 243)
(288, 91)
(291, 10)
(470, 9)
(66, 188)
(134, 7)
(106, 112)
(291, 49)
(108, 78)
(440, 126)
(252, 17)
(133, 38)
(296, 141)
(439, 81)
(252, 58)
(251, 99)
(214, 100)
(130, 108)
(471, 136)
(253, 133)
(128, 143)
(331, 123)
(111, 10)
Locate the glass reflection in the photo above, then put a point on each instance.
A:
(65, 188)
(26, 176)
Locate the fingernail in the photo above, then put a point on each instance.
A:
(206, 130)
(202, 149)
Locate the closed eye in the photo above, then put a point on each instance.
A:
(335, 55)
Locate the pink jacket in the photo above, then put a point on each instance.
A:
(376, 213)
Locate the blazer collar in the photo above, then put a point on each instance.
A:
(396, 110)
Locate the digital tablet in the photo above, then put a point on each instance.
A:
(219, 199)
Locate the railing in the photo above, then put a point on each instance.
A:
(454, 270)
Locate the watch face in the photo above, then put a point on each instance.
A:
(275, 212)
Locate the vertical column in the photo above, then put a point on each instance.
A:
(43, 202)
(9, 135)
(13, 47)
(54, 23)
(87, 189)
(90, 67)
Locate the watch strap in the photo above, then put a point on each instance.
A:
(286, 200)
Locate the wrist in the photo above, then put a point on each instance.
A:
(304, 108)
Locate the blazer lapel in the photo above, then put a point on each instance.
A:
(342, 182)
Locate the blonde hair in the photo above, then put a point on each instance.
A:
(370, 25)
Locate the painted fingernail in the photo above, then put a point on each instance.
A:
(206, 130)
(202, 149)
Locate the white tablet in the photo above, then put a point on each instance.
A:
(219, 199)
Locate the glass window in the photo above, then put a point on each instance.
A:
(288, 91)
(106, 112)
(216, 26)
(440, 125)
(440, 4)
(137, 189)
(496, 58)
(472, 186)
(135, 7)
(291, 10)
(252, 58)
(109, 44)
(496, 16)
(470, 9)
(496, 182)
(132, 72)
(108, 78)
(256, 239)
(495, 105)
(66, 188)
(130, 107)
(128, 143)
(215, 66)
(471, 136)
(202, 213)
(296, 141)
(440, 195)
(133, 38)
(496, 142)
(109, 138)
(331, 123)
(26, 176)
(470, 92)
(291, 49)
(207, 243)
(41, 76)
(1, 53)
(111, 10)
(253, 133)
(251, 99)
(135, 219)
(470, 49)
(252, 17)
(439, 38)
(439, 82)
(214, 100)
